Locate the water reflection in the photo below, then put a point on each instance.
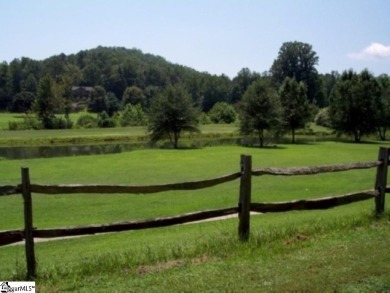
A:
(15, 153)
(31, 152)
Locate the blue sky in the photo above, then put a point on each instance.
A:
(217, 36)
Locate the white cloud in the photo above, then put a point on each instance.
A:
(375, 50)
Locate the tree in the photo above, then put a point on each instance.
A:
(62, 90)
(222, 113)
(86, 121)
(328, 82)
(322, 118)
(45, 103)
(97, 101)
(241, 83)
(383, 114)
(30, 84)
(105, 121)
(91, 75)
(354, 104)
(156, 75)
(22, 102)
(298, 60)
(5, 86)
(133, 95)
(113, 104)
(55, 66)
(133, 115)
(100, 101)
(115, 81)
(171, 113)
(215, 89)
(295, 107)
(259, 109)
(15, 76)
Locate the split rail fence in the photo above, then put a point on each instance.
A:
(245, 206)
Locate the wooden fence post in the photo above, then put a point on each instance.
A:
(245, 198)
(28, 224)
(381, 180)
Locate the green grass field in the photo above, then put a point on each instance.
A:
(90, 136)
(126, 134)
(343, 249)
(5, 118)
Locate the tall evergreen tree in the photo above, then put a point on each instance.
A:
(259, 109)
(241, 82)
(45, 103)
(97, 101)
(383, 113)
(295, 107)
(172, 113)
(5, 86)
(354, 104)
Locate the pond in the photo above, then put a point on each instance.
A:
(31, 152)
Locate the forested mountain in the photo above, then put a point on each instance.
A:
(121, 86)
(114, 69)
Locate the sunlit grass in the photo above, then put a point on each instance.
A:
(143, 167)
(328, 246)
(93, 135)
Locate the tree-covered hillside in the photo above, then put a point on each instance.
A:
(120, 86)
(114, 69)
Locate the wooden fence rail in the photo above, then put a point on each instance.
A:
(313, 204)
(10, 189)
(315, 170)
(245, 205)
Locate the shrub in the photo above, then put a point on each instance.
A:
(29, 122)
(22, 102)
(133, 115)
(222, 113)
(86, 121)
(204, 119)
(323, 118)
(104, 120)
(62, 123)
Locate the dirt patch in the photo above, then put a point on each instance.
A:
(148, 269)
(296, 239)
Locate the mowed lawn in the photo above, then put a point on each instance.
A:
(280, 243)
(145, 167)
(92, 135)
(5, 118)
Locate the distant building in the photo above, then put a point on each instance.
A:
(80, 97)
(81, 91)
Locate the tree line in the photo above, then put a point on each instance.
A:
(129, 87)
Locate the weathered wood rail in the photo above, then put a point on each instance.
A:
(245, 206)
